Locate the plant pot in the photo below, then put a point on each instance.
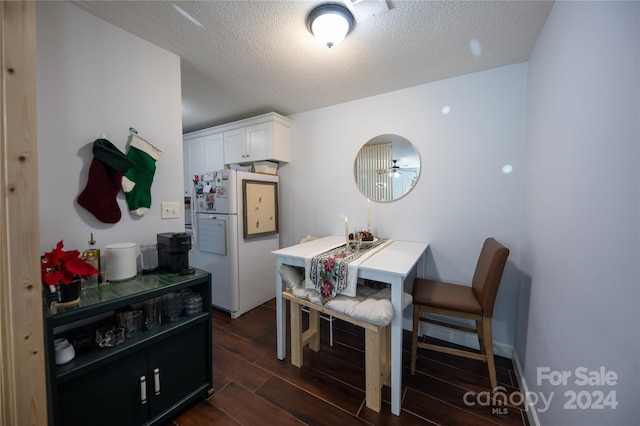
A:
(67, 295)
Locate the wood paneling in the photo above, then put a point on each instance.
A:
(22, 365)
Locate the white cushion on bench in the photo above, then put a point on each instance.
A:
(369, 305)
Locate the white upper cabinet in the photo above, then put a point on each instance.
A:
(193, 161)
(261, 138)
(258, 139)
(213, 153)
(202, 154)
(196, 156)
(235, 146)
(254, 143)
(186, 159)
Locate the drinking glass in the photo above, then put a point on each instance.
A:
(152, 311)
(102, 338)
(172, 306)
(149, 257)
(133, 322)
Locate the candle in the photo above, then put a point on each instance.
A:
(368, 213)
(346, 229)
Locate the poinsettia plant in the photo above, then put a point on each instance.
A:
(60, 266)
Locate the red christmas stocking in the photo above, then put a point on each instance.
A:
(103, 184)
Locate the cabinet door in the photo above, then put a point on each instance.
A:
(196, 156)
(234, 146)
(213, 153)
(260, 141)
(182, 366)
(188, 177)
(108, 396)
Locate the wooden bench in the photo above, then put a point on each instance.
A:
(377, 344)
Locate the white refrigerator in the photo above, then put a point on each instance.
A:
(239, 259)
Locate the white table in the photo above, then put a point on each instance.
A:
(395, 264)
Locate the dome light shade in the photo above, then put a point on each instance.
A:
(330, 23)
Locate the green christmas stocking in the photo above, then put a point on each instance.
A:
(136, 182)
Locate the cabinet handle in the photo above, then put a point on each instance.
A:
(156, 380)
(143, 389)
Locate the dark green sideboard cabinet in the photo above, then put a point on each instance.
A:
(145, 380)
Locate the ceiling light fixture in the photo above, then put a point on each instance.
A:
(330, 23)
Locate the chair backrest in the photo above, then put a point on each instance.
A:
(488, 273)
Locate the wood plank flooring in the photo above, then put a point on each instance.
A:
(251, 386)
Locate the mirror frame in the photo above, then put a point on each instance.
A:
(400, 145)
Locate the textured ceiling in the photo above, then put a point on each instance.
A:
(252, 57)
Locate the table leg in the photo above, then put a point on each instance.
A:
(281, 311)
(396, 344)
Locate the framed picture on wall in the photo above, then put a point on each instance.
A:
(260, 202)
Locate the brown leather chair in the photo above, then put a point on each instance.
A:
(474, 302)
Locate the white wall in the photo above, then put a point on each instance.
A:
(580, 232)
(462, 195)
(94, 78)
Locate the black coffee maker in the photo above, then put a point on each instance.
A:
(173, 252)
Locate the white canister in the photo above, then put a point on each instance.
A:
(120, 259)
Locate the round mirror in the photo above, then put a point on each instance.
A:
(386, 168)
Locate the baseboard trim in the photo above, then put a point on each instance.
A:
(532, 415)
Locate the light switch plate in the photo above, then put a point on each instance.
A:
(170, 210)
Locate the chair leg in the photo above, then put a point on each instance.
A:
(314, 326)
(414, 337)
(488, 346)
(386, 354)
(373, 369)
(330, 330)
(480, 336)
(296, 333)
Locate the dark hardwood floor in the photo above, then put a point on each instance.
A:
(251, 386)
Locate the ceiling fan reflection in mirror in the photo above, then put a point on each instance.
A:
(394, 170)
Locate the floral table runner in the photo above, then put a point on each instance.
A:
(336, 271)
